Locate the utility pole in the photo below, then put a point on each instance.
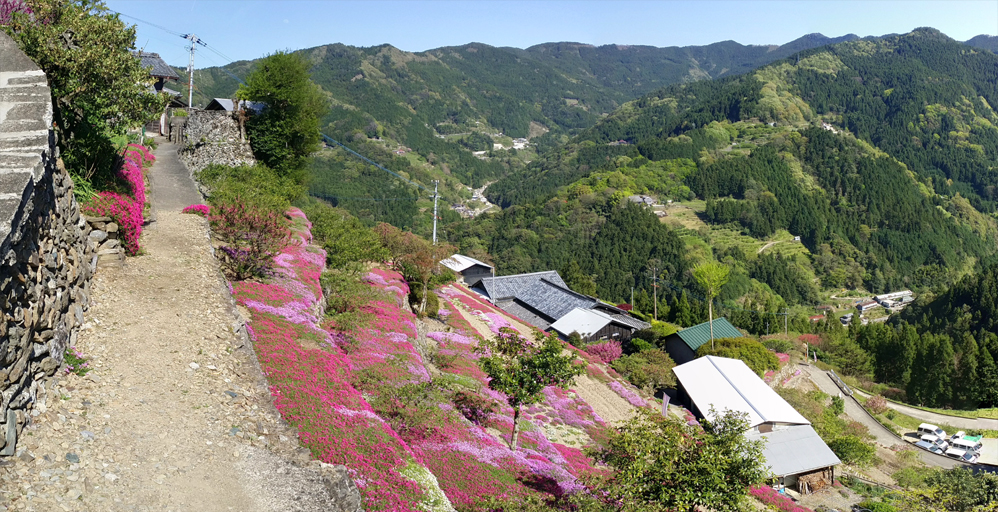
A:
(632, 298)
(654, 286)
(786, 314)
(435, 197)
(195, 41)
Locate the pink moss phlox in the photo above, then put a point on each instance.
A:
(627, 394)
(202, 210)
(125, 209)
(768, 496)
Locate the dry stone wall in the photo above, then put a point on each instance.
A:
(213, 137)
(46, 253)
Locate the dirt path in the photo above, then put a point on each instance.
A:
(767, 246)
(607, 404)
(175, 414)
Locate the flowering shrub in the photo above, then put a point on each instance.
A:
(253, 236)
(770, 497)
(9, 7)
(608, 351)
(877, 404)
(125, 209)
(76, 362)
(202, 210)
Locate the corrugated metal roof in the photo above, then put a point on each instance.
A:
(729, 384)
(586, 322)
(159, 67)
(630, 321)
(697, 335)
(794, 450)
(460, 263)
(507, 287)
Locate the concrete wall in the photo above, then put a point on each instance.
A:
(46, 254)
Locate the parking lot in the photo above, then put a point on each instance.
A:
(988, 455)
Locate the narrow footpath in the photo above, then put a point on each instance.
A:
(175, 415)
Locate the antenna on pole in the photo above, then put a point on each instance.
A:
(190, 67)
(435, 197)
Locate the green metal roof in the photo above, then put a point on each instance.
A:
(697, 335)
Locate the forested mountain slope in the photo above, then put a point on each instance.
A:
(921, 97)
(878, 154)
(446, 103)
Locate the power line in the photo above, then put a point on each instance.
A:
(195, 40)
(151, 24)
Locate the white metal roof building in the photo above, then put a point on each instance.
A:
(586, 322)
(794, 452)
(724, 383)
(471, 270)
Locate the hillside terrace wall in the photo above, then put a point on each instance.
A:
(213, 137)
(46, 254)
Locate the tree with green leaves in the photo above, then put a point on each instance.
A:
(577, 280)
(99, 87)
(284, 133)
(521, 370)
(661, 464)
(711, 276)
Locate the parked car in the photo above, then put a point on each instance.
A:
(938, 441)
(928, 428)
(968, 444)
(925, 445)
(958, 435)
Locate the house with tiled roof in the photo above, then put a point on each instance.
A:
(542, 299)
(682, 346)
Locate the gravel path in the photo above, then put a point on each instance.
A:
(175, 414)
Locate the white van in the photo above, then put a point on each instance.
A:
(928, 428)
(936, 440)
(961, 455)
(967, 446)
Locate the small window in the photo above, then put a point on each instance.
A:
(616, 334)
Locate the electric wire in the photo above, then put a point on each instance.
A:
(222, 55)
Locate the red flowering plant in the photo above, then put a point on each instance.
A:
(125, 208)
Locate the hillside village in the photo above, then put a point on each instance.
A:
(734, 293)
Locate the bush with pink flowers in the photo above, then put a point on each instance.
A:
(125, 208)
(608, 351)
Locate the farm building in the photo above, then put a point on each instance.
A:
(595, 325)
(682, 346)
(543, 298)
(471, 270)
(795, 454)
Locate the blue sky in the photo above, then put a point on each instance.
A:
(249, 29)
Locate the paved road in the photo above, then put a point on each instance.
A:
(170, 184)
(884, 436)
(940, 419)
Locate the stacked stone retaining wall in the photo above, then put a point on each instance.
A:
(46, 254)
(213, 137)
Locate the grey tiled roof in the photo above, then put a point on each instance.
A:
(159, 67)
(518, 310)
(507, 287)
(554, 300)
